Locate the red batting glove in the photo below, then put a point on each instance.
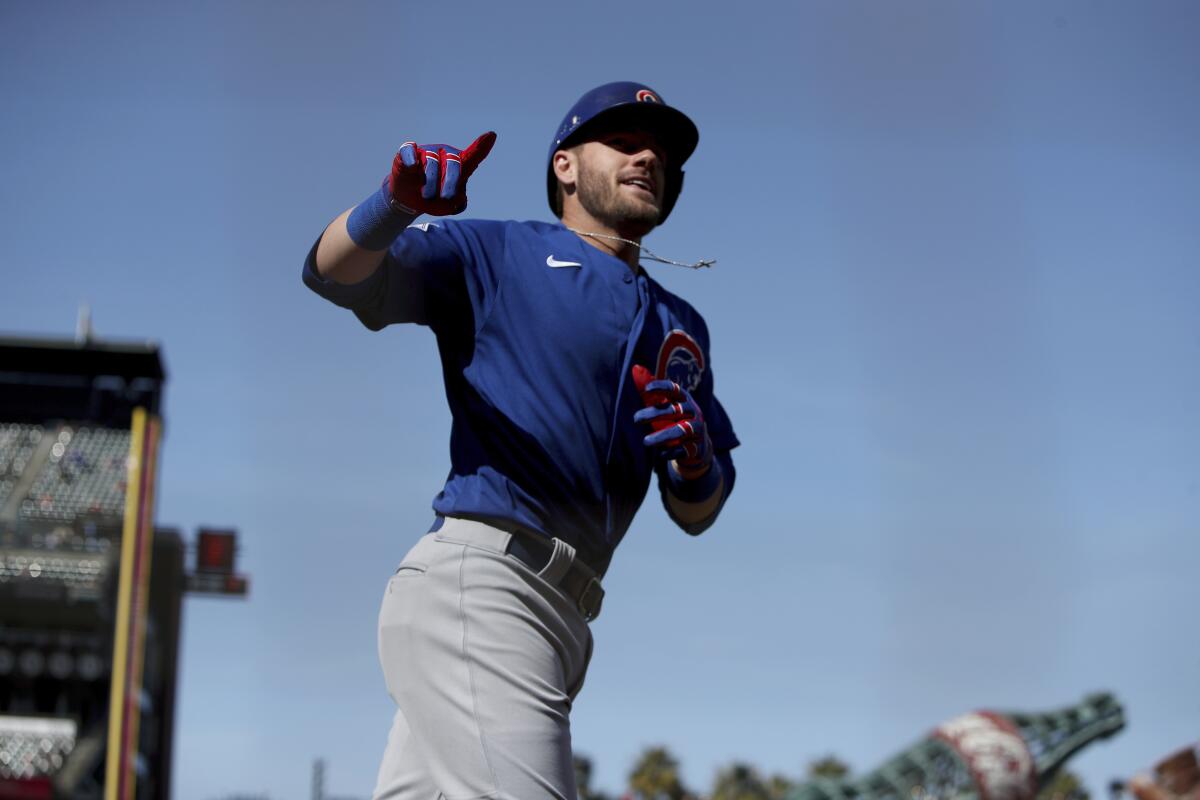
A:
(432, 178)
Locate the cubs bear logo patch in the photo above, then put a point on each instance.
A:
(681, 360)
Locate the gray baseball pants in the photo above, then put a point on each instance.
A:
(483, 657)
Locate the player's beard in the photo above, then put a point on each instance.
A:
(601, 196)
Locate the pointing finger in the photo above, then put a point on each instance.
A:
(476, 152)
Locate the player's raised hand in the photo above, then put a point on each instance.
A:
(676, 421)
(432, 178)
(425, 179)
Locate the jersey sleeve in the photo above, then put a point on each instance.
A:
(438, 274)
(720, 430)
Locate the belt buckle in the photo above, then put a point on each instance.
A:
(591, 589)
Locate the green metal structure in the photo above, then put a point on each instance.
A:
(984, 755)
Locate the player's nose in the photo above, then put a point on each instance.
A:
(648, 155)
(646, 148)
(650, 161)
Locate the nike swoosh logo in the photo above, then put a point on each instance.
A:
(551, 261)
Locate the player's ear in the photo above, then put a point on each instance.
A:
(566, 164)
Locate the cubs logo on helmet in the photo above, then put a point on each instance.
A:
(647, 96)
(681, 360)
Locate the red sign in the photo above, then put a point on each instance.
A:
(215, 551)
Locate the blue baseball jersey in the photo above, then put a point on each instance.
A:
(537, 332)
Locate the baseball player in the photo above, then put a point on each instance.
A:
(572, 377)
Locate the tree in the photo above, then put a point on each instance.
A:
(1065, 786)
(655, 776)
(583, 780)
(779, 787)
(829, 767)
(740, 782)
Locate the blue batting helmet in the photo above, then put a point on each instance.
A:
(611, 104)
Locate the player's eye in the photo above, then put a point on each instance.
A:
(629, 145)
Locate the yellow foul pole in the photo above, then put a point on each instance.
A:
(120, 781)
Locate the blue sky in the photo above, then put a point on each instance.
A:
(954, 319)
